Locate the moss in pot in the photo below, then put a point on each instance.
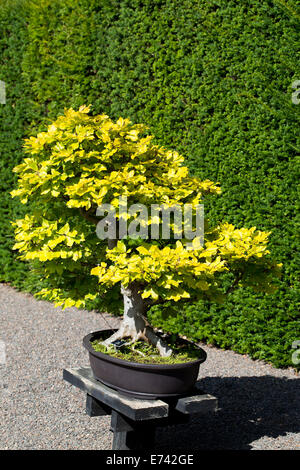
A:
(111, 220)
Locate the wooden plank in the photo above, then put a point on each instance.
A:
(202, 403)
(133, 408)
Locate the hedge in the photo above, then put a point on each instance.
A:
(15, 120)
(213, 80)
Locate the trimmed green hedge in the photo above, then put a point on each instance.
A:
(213, 80)
(15, 119)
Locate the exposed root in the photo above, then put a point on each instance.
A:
(139, 352)
(117, 335)
(134, 325)
(147, 335)
(163, 349)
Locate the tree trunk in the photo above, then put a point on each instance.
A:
(134, 324)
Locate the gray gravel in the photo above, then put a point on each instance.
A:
(259, 405)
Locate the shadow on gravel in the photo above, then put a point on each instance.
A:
(249, 408)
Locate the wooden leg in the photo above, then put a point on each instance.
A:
(133, 440)
(119, 441)
(143, 438)
(95, 407)
(131, 435)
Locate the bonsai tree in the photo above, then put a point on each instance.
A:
(83, 162)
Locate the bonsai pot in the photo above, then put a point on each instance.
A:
(142, 380)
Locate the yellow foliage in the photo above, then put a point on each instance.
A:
(83, 161)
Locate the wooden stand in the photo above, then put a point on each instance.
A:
(134, 420)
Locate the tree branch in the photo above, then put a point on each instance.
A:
(88, 216)
(235, 283)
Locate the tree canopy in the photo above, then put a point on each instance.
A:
(82, 162)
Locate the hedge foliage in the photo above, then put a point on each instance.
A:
(15, 120)
(212, 79)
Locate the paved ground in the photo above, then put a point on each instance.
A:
(259, 405)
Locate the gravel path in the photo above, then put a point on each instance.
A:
(259, 405)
